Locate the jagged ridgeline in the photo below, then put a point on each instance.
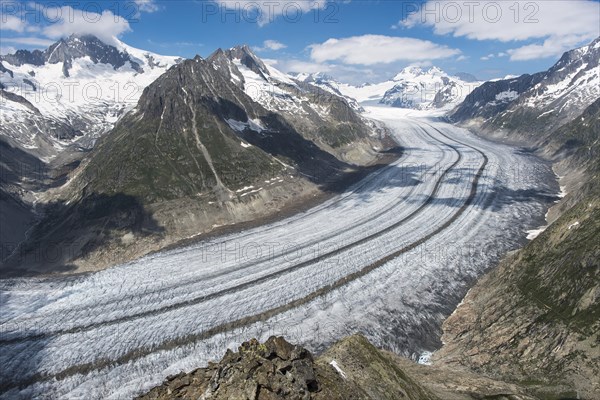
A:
(177, 142)
(540, 102)
(67, 50)
(198, 132)
(351, 369)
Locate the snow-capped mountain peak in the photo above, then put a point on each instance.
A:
(435, 71)
(314, 77)
(434, 88)
(408, 72)
(75, 90)
(67, 50)
(415, 88)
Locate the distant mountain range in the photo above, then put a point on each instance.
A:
(411, 88)
(201, 144)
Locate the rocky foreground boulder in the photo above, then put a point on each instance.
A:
(352, 369)
(275, 369)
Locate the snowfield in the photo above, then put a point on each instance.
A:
(391, 258)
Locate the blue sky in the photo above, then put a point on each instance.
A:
(352, 40)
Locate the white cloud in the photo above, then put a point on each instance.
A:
(300, 66)
(266, 11)
(378, 49)
(551, 47)
(12, 23)
(29, 41)
(462, 58)
(105, 26)
(492, 55)
(273, 45)
(355, 75)
(7, 50)
(148, 6)
(422, 64)
(62, 22)
(561, 24)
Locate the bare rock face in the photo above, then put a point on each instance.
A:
(270, 371)
(535, 319)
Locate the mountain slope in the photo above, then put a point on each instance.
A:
(538, 103)
(197, 153)
(322, 116)
(534, 319)
(213, 135)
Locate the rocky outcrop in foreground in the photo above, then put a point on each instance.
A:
(351, 369)
(273, 370)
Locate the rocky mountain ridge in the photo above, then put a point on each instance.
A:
(531, 104)
(210, 143)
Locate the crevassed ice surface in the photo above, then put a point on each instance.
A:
(119, 332)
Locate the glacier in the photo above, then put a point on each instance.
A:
(391, 258)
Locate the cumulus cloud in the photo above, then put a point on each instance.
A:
(12, 23)
(52, 22)
(561, 24)
(355, 75)
(175, 44)
(106, 26)
(551, 47)
(266, 11)
(273, 45)
(7, 50)
(378, 49)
